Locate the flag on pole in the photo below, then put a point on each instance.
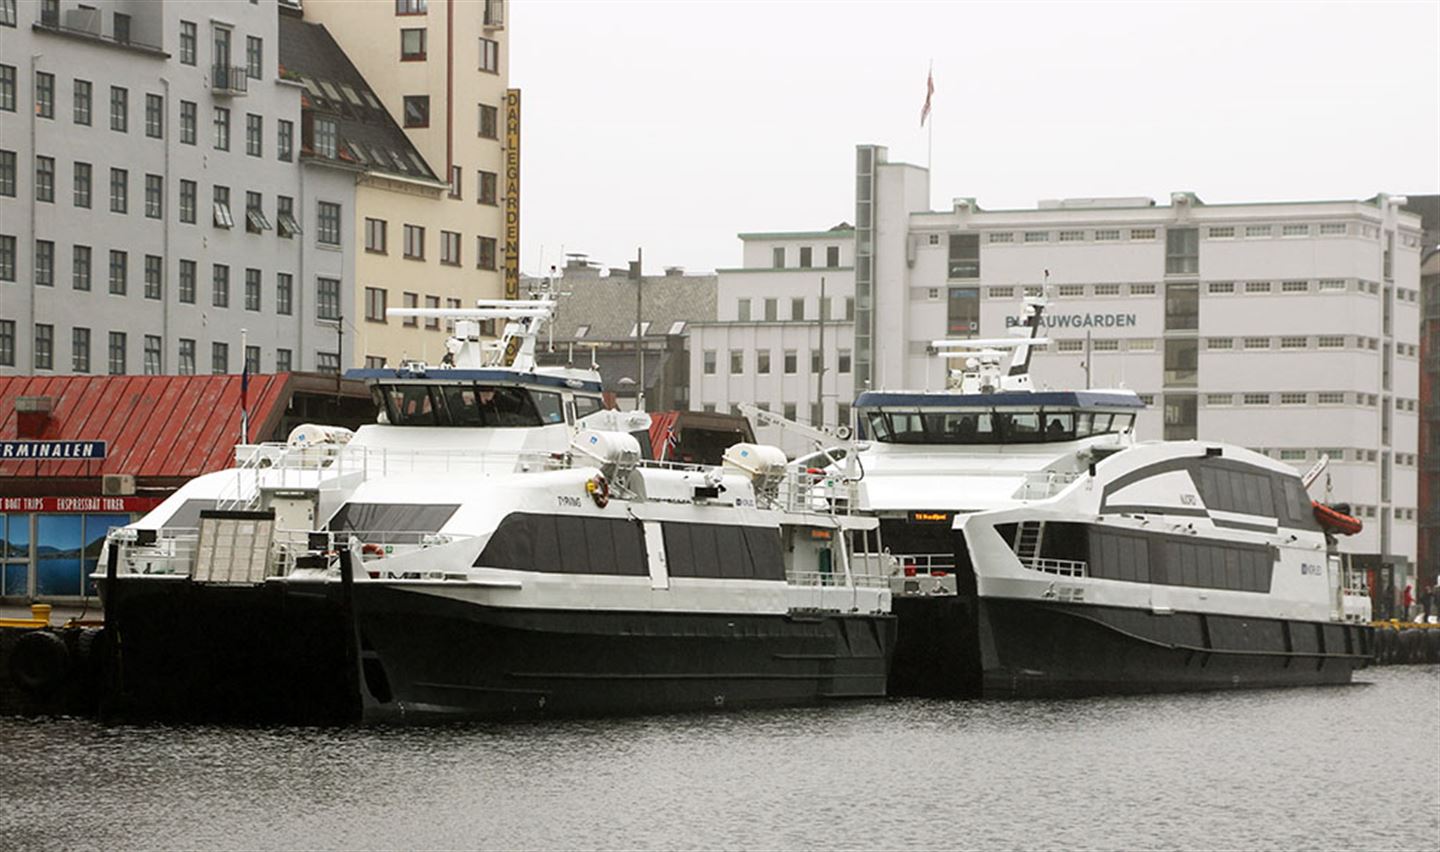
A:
(929, 93)
(245, 399)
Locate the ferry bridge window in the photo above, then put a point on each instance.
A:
(988, 426)
(471, 405)
(963, 316)
(587, 405)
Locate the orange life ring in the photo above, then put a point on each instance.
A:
(598, 489)
(372, 549)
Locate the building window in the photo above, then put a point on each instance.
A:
(708, 362)
(737, 362)
(777, 257)
(252, 289)
(1257, 286)
(219, 358)
(816, 361)
(285, 140)
(410, 7)
(1182, 362)
(327, 137)
(45, 179)
(327, 226)
(327, 362)
(154, 276)
(417, 110)
(806, 257)
(8, 16)
(8, 174)
(187, 42)
(119, 109)
(432, 323)
(410, 300)
(762, 362)
(82, 100)
(187, 201)
(832, 256)
(7, 343)
(7, 88)
(414, 242)
(792, 362)
(1142, 233)
(155, 116)
(186, 367)
(222, 129)
(797, 310)
(963, 311)
(327, 298)
(44, 95)
(1255, 399)
(772, 310)
(44, 263)
(119, 272)
(282, 360)
(187, 282)
(152, 354)
(1072, 236)
(285, 224)
(964, 256)
(119, 191)
(375, 304)
(1180, 420)
(485, 249)
(117, 353)
(220, 281)
(788, 411)
(843, 362)
(742, 310)
(255, 221)
(44, 346)
(1331, 341)
(1037, 236)
(489, 122)
(457, 177)
(222, 217)
(1218, 287)
(375, 235)
(1332, 228)
(1256, 342)
(1182, 251)
(1182, 307)
(486, 188)
(490, 55)
(412, 44)
(284, 293)
(450, 248)
(254, 135)
(80, 350)
(154, 196)
(80, 267)
(254, 57)
(252, 359)
(187, 122)
(1224, 233)
(1294, 230)
(7, 257)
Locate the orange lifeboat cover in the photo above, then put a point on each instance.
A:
(1336, 521)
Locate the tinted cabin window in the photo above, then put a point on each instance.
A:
(1179, 562)
(566, 544)
(587, 405)
(470, 405)
(721, 551)
(400, 522)
(988, 426)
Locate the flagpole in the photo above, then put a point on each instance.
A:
(930, 115)
(244, 391)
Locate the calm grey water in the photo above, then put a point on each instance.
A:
(1302, 768)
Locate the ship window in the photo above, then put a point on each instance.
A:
(1059, 425)
(568, 544)
(722, 551)
(549, 406)
(585, 405)
(765, 556)
(391, 523)
(470, 405)
(410, 405)
(460, 402)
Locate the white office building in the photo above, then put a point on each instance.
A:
(153, 200)
(1291, 328)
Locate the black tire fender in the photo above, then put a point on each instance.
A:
(39, 662)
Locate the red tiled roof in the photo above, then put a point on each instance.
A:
(155, 426)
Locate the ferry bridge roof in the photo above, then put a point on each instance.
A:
(1006, 399)
(154, 426)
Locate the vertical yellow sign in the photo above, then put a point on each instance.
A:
(512, 193)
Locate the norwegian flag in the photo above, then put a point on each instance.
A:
(672, 440)
(929, 93)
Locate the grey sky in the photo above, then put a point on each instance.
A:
(675, 125)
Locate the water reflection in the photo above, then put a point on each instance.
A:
(1266, 769)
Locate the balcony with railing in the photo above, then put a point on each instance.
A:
(228, 80)
(88, 24)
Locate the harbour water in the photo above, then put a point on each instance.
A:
(1337, 767)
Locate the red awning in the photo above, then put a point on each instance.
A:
(154, 426)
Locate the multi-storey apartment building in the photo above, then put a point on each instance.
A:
(773, 335)
(1428, 206)
(151, 204)
(435, 237)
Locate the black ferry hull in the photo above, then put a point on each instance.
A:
(310, 653)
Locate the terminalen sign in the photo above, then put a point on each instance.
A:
(52, 450)
(1078, 321)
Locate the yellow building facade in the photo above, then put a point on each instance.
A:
(441, 70)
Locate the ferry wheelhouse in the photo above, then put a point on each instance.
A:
(1045, 550)
(492, 547)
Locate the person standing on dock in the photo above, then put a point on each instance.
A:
(1407, 602)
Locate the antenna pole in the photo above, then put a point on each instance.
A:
(339, 355)
(635, 272)
(1088, 358)
(820, 374)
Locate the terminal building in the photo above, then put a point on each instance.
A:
(1291, 328)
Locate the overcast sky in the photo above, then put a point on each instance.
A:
(676, 125)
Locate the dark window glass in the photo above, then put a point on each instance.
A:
(408, 520)
(964, 256)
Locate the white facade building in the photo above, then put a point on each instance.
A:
(766, 347)
(1288, 328)
(152, 197)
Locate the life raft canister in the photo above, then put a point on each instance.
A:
(1333, 520)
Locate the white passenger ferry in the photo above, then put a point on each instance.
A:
(492, 547)
(1047, 551)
